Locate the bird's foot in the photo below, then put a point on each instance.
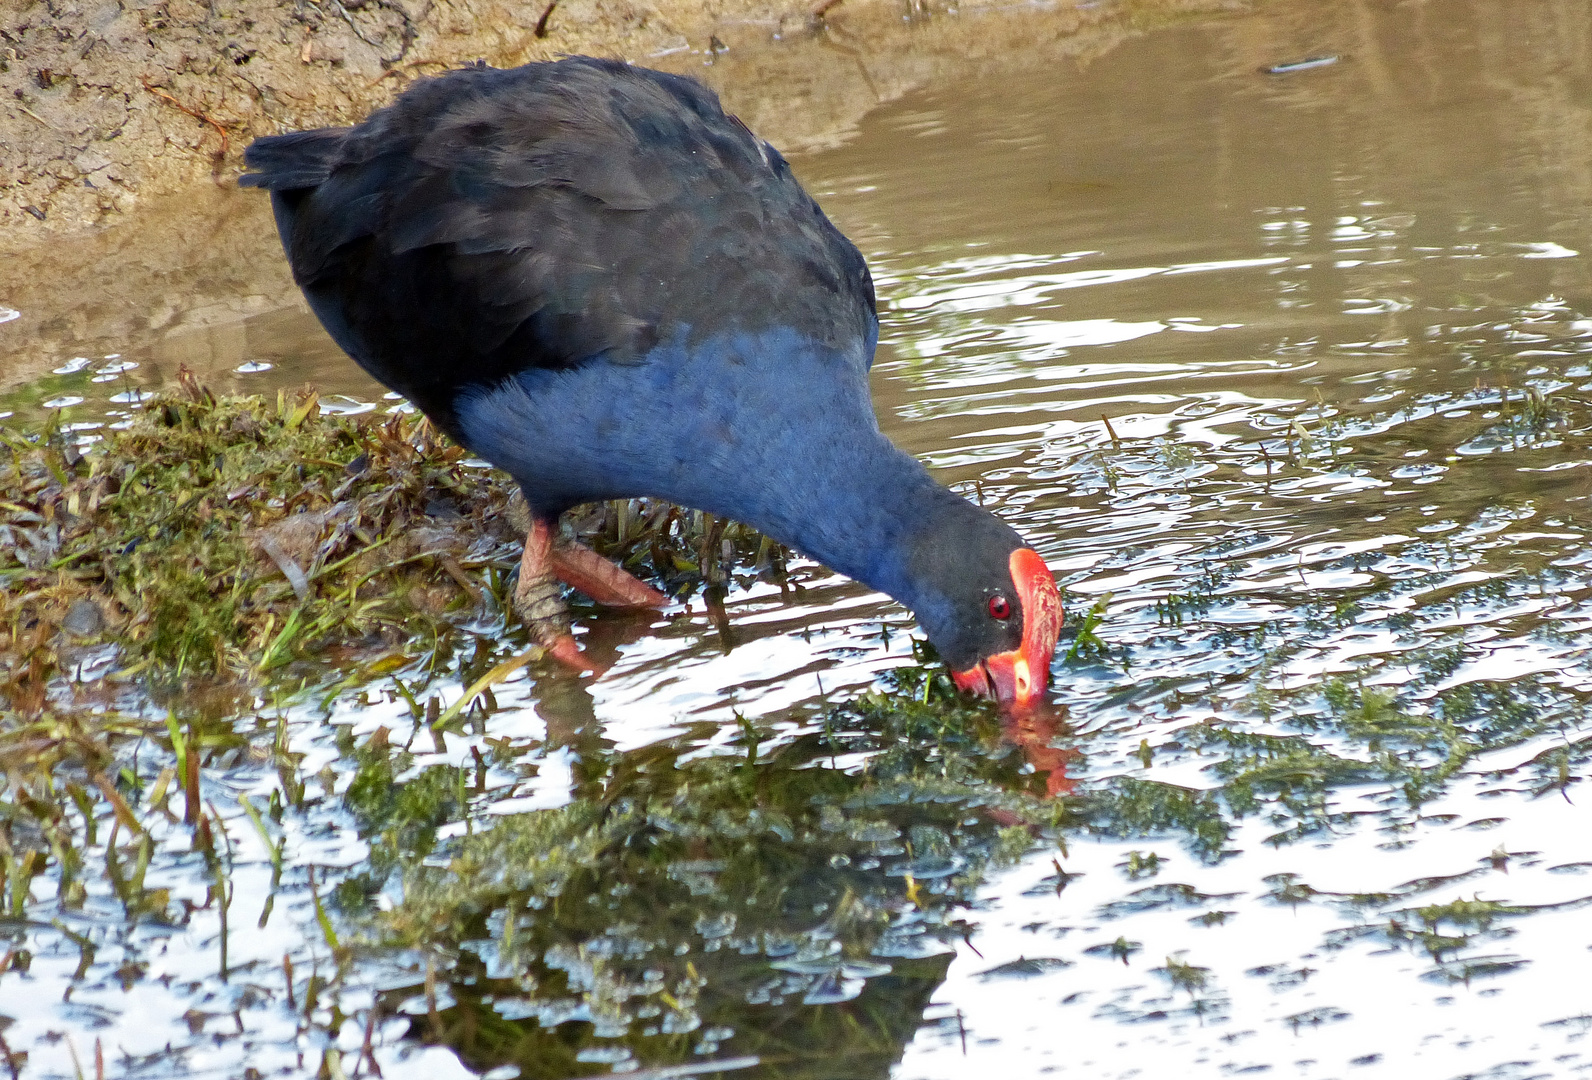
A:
(539, 602)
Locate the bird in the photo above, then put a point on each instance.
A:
(592, 276)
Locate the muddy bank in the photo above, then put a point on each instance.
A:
(166, 261)
(85, 144)
(109, 102)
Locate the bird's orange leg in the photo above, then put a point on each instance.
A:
(539, 601)
(540, 604)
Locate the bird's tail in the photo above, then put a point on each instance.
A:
(292, 162)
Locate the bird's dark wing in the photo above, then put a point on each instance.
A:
(552, 215)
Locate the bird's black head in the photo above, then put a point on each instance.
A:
(988, 604)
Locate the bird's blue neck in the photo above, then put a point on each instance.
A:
(867, 515)
(859, 508)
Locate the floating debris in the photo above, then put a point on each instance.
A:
(1307, 64)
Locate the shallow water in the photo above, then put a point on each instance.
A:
(1287, 376)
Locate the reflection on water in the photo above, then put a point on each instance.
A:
(1288, 378)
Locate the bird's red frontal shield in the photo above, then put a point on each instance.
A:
(1019, 677)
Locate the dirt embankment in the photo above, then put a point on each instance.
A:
(84, 142)
(105, 104)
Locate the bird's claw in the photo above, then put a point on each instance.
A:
(538, 597)
(540, 606)
(566, 652)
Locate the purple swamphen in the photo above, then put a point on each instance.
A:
(596, 279)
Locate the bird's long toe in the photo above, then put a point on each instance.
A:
(580, 567)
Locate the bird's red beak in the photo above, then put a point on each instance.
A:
(1019, 677)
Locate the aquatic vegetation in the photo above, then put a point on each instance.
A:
(796, 886)
(232, 547)
(228, 538)
(444, 847)
(649, 912)
(661, 908)
(218, 538)
(1130, 808)
(1316, 762)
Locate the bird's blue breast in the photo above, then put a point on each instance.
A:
(764, 427)
(768, 428)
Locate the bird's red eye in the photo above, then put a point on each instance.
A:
(999, 608)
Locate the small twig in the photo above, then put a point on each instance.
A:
(11, 1060)
(409, 33)
(406, 36)
(366, 1052)
(547, 13)
(405, 68)
(817, 13)
(37, 117)
(202, 117)
(432, 1015)
(352, 25)
(1111, 431)
(456, 572)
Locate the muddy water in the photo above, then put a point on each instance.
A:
(1287, 375)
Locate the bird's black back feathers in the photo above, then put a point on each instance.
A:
(547, 216)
